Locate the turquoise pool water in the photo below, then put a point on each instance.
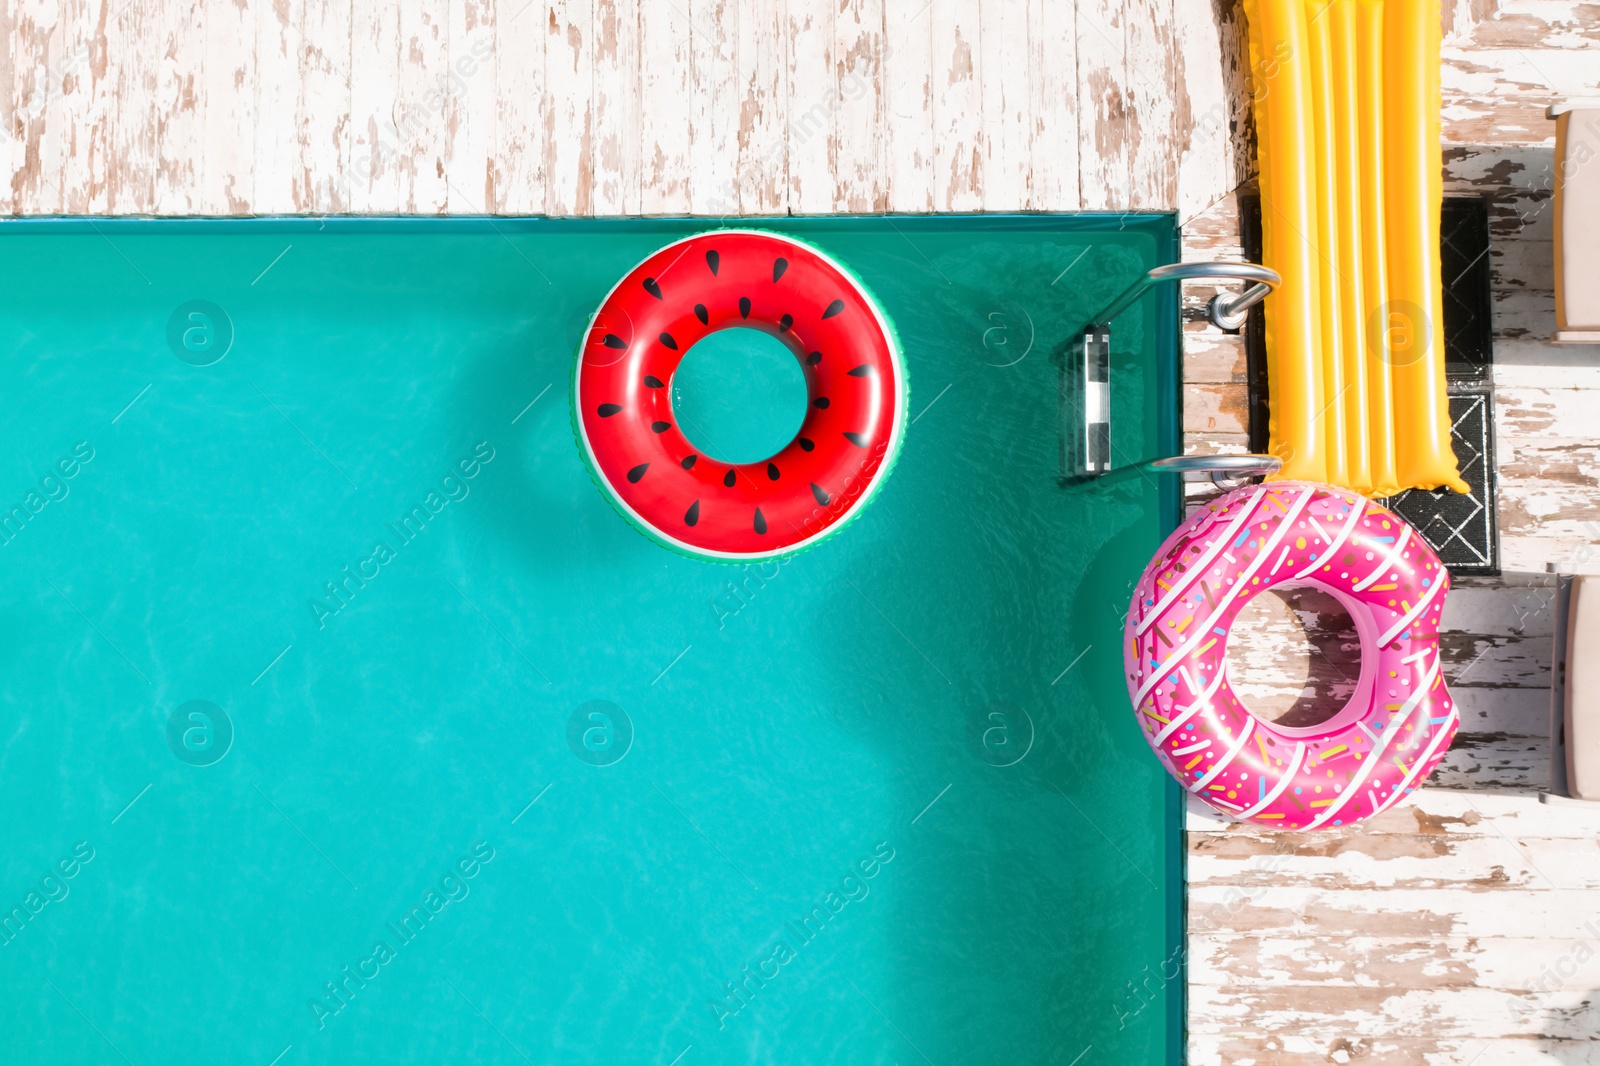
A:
(345, 722)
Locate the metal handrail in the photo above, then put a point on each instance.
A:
(1237, 465)
(1225, 470)
(1086, 442)
(1226, 310)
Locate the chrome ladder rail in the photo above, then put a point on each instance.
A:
(1086, 439)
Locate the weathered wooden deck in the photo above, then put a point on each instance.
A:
(1461, 928)
(1465, 927)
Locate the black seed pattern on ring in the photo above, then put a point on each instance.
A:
(651, 287)
(637, 472)
(784, 323)
(858, 439)
(660, 427)
(761, 522)
(860, 372)
(821, 402)
(806, 444)
(701, 314)
(666, 339)
(614, 341)
(609, 409)
(778, 267)
(744, 307)
(813, 359)
(653, 382)
(728, 479)
(833, 309)
(819, 493)
(692, 515)
(772, 471)
(713, 260)
(688, 462)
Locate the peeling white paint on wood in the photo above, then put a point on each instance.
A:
(1431, 934)
(598, 107)
(1420, 937)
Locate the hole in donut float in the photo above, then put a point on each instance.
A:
(739, 395)
(1294, 656)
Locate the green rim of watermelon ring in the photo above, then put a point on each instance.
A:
(683, 256)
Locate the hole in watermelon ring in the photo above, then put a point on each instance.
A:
(739, 395)
(1294, 659)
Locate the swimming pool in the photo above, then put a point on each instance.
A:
(368, 732)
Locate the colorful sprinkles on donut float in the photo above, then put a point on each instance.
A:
(1390, 735)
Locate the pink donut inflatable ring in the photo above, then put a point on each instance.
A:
(1396, 727)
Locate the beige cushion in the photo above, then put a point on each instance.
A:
(1583, 689)
(1577, 226)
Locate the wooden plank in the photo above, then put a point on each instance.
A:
(73, 102)
(1212, 444)
(813, 99)
(1494, 661)
(762, 58)
(1550, 525)
(42, 43)
(1542, 414)
(1053, 82)
(1104, 152)
(470, 108)
(324, 107)
(858, 128)
(1306, 911)
(1496, 710)
(713, 189)
(1289, 1049)
(1514, 965)
(1151, 89)
(762, 54)
(1233, 33)
(11, 123)
(1435, 812)
(1562, 370)
(1481, 761)
(958, 134)
(86, 67)
(277, 143)
(1510, 605)
(569, 81)
(1203, 117)
(1215, 408)
(908, 106)
(1493, 170)
(665, 87)
(424, 138)
(519, 150)
(1211, 357)
(39, 45)
(375, 134)
(1460, 17)
(131, 144)
(1332, 1013)
(228, 83)
(1007, 103)
(1491, 863)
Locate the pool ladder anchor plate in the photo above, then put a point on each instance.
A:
(1085, 381)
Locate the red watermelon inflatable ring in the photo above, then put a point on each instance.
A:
(657, 478)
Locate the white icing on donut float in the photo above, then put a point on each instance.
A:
(1392, 732)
